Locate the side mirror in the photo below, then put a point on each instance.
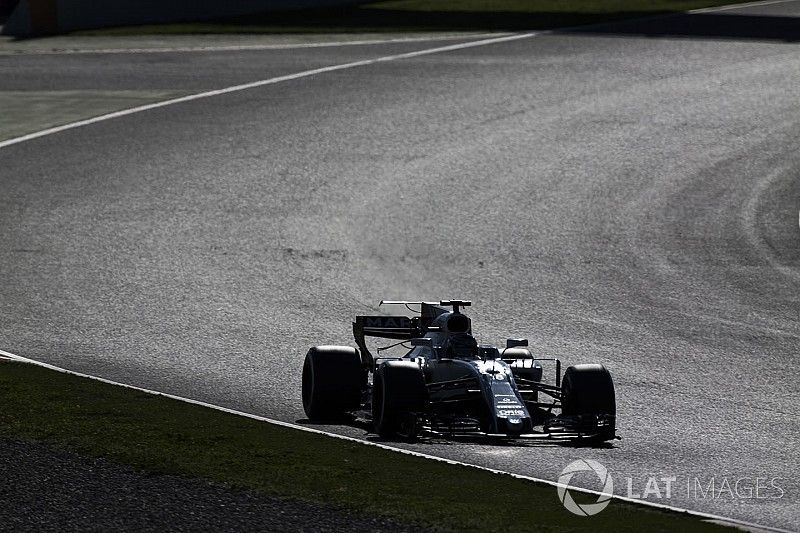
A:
(513, 343)
(422, 341)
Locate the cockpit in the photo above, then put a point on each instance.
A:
(460, 346)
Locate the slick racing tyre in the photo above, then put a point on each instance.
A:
(588, 391)
(398, 390)
(333, 380)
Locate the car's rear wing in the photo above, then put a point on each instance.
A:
(388, 327)
(385, 327)
(398, 327)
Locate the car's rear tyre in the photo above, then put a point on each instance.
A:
(333, 381)
(589, 390)
(398, 390)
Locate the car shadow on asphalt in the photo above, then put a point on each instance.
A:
(370, 436)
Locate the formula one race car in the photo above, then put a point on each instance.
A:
(449, 385)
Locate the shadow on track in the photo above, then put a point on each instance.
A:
(704, 26)
(368, 19)
(648, 24)
(636, 23)
(369, 436)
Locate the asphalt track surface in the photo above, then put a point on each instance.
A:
(623, 195)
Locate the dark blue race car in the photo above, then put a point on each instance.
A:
(447, 384)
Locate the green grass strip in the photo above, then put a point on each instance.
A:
(428, 15)
(161, 435)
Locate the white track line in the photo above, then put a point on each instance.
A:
(705, 516)
(314, 72)
(247, 47)
(269, 81)
(324, 44)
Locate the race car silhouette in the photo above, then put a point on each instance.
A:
(449, 385)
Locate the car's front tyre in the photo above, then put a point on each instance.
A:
(588, 390)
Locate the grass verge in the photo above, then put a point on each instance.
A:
(428, 15)
(160, 435)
